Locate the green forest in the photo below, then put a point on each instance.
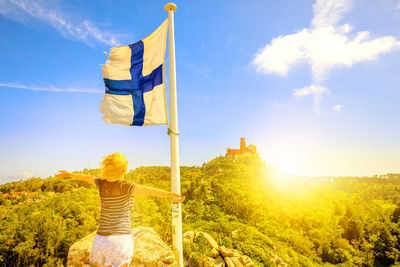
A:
(342, 221)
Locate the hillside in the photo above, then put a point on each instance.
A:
(310, 222)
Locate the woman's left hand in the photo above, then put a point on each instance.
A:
(176, 198)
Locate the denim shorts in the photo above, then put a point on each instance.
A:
(114, 250)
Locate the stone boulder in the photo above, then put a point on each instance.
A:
(214, 253)
(278, 260)
(229, 252)
(235, 258)
(236, 262)
(78, 253)
(220, 256)
(208, 262)
(235, 234)
(229, 262)
(149, 250)
(246, 261)
(219, 262)
(188, 236)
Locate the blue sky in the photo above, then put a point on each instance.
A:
(314, 84)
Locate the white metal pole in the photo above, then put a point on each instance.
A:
(174, 135)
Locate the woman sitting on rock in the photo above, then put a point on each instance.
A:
(113, 243)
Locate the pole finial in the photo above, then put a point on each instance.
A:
(170, 6)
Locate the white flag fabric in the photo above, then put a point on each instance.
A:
(134, 81)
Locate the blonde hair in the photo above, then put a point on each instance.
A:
(114, 166)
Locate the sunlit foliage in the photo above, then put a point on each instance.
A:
(310, 222)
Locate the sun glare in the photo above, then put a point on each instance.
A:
(285, 178)
(280, 178)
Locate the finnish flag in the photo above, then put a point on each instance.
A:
(134, 81)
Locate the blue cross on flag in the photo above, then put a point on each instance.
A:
(134, 81)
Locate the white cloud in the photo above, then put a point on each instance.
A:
(16, 177)
(323, 46)
(50, 88)
(309, 90)
(26, 175)
(314, 90)
(337, 108)
(329, 12)
(24, 10)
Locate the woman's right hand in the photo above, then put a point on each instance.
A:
(176, 198)
(63, 174)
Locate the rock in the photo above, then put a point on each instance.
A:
(233, 257)
(219, 262)
(214, 253)
(211, 241)
(244, 260)
(236, 262)
(169, 259)
(149, 250)
(78, 253)
(278, 260)
(226, 252)
(229, 262)
(235, 234)
(208, 262)
(237, 253)
(188, 236)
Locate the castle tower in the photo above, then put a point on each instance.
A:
(243, 150)
(242, 144)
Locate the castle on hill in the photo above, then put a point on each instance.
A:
(243, 150)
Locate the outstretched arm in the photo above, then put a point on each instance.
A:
(146, 190)
(81, 177)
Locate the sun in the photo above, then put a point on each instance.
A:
(284, 178)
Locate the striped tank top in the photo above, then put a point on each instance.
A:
(116, 204)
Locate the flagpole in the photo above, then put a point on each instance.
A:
(174, 136)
